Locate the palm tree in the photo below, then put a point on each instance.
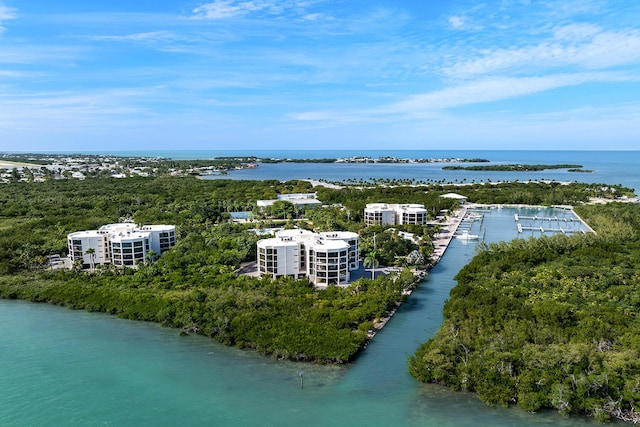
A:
(92, 257)
(151, 256)
(370, 260)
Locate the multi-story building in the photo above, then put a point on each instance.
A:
(120, 244)
(353, 239)
(325, 258)
(394, 214)
(129, 248)
(162, 237)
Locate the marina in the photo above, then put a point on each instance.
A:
(567, 223)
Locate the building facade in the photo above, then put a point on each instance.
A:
(122, 244)
(325, 258)
(394, 214)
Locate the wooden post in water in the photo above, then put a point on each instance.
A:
(301, 374)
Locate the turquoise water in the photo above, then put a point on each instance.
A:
(62, 367)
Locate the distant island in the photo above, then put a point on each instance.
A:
(581, 170)
(352, 159)
(518, 168)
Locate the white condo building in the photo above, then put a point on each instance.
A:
(394, 214)
(120, 244)
(325, 258)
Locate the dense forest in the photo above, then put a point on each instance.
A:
(548, 323)
(513, 167)
(196, 286)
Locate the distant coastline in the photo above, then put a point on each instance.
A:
(501, 155)
(599, 166)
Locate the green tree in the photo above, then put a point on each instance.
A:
(92, 257)
(415, 257)
(371, 260)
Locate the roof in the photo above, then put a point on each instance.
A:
(454, 196)
(277, 242)
(85, 234)
(330, 235)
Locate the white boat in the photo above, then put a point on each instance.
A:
(466, 236)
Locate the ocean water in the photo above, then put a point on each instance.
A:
(64, 368)
(609, 167)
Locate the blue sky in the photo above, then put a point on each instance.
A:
(319, 74)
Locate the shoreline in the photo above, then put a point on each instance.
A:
(440, 245)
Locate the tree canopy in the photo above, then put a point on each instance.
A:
(550, 322)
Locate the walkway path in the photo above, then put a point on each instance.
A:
(447, 232)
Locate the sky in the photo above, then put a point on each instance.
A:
(319, 74)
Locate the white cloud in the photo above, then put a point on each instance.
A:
(496, 89)
(314, 116)
(221, 9)
(6, 14)
(28, 54)
(476, 92)
(152, 36)
(165, 38)
(15, 74)
(312, 16)
(224, 9)
(463, 23)
(456, 22)
(576, 32)
(573, 45)
(558, 9)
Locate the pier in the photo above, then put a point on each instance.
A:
(545, 218)
(550, 224)
(543, 230)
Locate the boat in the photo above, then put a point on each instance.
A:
(466, 236)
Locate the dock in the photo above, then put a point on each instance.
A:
(550, 224)
(543, 230)
(545, 218)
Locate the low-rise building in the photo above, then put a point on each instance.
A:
(123, 244)
(394, 214)
(325, 258)
(297, 199)
(460, 198)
